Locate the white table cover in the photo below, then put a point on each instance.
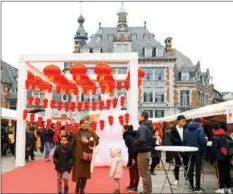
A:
(176, 149)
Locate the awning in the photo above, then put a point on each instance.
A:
(8, 114)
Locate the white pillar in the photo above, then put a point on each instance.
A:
(133, 91)
(48, 110)
(21, 105)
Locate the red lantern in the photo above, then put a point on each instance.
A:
(52, 71)
(127, 118)
(58, 125)
(102, 69)
(76, 127)
(52, 103)
(32, 117)
(80, 104)
(78, 69)
(141, 73)
(108, 104)
(39, 121)
(101, 123)
(73, 106)
(121, 119)
(45, 103)
(66, 106)
(114, 102)
(101, 104)
(59, 105)
(122, 100)
(127, 84)
(94, 125)
(37, 102)
(48, 123)
(25, 114)
(86, 105)
(30, 100)
(119, 85)
(58, 90)
(94, 105)
(27, 84)
(110, 120)
(68, 128)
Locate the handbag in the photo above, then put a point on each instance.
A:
(86, 156)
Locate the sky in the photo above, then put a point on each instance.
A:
(200, 30)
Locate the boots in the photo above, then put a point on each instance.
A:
(83, 185)
(66, 190)
(78, 186)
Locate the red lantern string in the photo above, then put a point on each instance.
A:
(114, 102)
(127, 118)
(73, 106)
(52, 103)
(59, 105)
(25, 114)
(110, 120)
(80, 104)
(58, 125)
(32, 117)
(86, 105)
(101, 123)
(66, 106)
(108, 104)
(48, 123)
(121, 119)
(94, 105)
(37, 102)
(30, 100)
(101, 104)
(94, 125)
(45, 103)
(122, 100)
(76, 127)
(39, 121)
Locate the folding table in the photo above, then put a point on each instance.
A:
(179, 150)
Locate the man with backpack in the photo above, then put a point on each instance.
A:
(222, 151)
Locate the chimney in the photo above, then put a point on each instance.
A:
(168, 46)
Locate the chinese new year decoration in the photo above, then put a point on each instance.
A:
(94, 125)
(25, 114)
(121, 119)
(126, 118)
(102, 124)
(110, 120)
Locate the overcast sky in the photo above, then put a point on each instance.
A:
(202, 31)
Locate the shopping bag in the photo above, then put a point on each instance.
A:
(38, 142)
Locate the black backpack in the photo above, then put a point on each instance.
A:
(227, 145)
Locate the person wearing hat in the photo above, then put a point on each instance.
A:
(221, 159)
(176, 136)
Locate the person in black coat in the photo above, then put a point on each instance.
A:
(222, 161)
(176, 135)
(129, 136)
(155, 155)
(63, 159)
(31, 137)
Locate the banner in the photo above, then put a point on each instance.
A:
(229, 114)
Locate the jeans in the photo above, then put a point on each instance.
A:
(178, 164)
(47, 147)
(223, 173)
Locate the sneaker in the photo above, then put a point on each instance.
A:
(220, 191)
(191, 189)
(199, 191)
(133, 190)
(176, 183)
(229, 191)
(152, 172)
(129, 187)
(59, 192)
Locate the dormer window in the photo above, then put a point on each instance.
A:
(121, 47)
(110, 37)
(159, 51)
(134, 36)
(96, 50)
(86, 50)
(148, 51)
(185, 76)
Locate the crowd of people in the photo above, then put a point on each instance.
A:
(74, 153)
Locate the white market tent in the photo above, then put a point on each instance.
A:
(206, 111)
(9, 114)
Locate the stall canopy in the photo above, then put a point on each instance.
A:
(206, 111)
(9, 114)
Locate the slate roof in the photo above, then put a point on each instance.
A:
(137, 44)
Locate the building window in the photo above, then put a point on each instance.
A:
(148, 94)
(148, 74)
(125, 48)
(159, 113)
(159, 51)
(37, 94)
(66, 98)
(184, 98)
(96, 50)
(184, 76)
(134, 36)
(12, 90)
(121, 70)
(97, 96)
(110, 37)
(86, 50)
(90, 70)
(159, 73)
(159, 94)
(150, 113)
(12, 105)
(148, 52)
(122, 92)
(119, 48)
